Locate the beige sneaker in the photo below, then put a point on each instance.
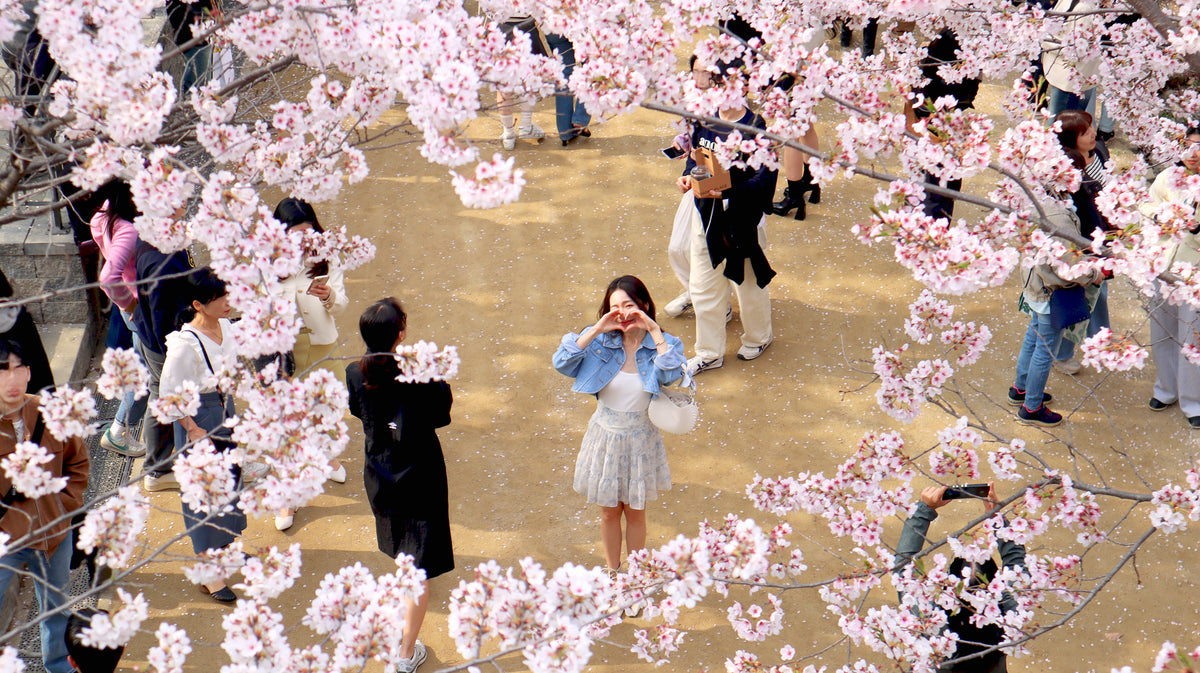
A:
(1070, 367)
(163, 482)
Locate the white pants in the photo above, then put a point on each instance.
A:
(679, 250)
(1176, 377)
(710, 298)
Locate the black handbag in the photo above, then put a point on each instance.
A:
(1068, 306)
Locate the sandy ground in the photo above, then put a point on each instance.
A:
(504, 285)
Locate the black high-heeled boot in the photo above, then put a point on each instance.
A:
(793, 197)
(807, 185)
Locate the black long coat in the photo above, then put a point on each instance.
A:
(405, 471)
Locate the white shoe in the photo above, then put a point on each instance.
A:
(750, 353)
(166, 482)
(698, 364)
(409, 665)
(252, 472)
(531, 132)
(284, 522)
(1070, 367)
(338, 475)
(508, 139)
(130, 447)
(728, 315)
(678, 306)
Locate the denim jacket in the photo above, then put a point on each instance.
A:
(597, 364)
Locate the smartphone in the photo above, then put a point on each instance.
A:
(672, 152)
(319, 280)
(966, 491)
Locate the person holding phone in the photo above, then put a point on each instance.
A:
(972, 638)
(624, 359)
(320, 295)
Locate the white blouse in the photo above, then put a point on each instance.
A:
(185, 360)
(625, 393)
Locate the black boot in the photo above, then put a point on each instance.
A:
(807, 185)
(793, 197)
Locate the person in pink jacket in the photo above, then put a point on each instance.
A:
(113, 230)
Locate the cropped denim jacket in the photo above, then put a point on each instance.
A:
(597, 364)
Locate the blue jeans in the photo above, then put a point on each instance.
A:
(1058, 101)
(570, 112)
(1099, 320)
(1034, 360)
(197, 67)
(130, 411)
(51, 576)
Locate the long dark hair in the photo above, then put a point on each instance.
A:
(636, 290)
(380, 326)
(203, 286)
(120, 203)
(293, 212)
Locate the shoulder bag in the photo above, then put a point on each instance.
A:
(675, 410)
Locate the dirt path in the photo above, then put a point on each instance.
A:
(504, 285)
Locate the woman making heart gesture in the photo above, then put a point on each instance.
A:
(624, 360)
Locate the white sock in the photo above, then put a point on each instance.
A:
(526, 119)
(507, 121)
(117, 431)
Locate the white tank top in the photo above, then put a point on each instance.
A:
(625, 393)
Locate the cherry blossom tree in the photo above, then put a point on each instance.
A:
(318, 78)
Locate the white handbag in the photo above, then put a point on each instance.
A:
(675, 410)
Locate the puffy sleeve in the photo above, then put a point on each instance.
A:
(183, 362)
(669, 366)
(338, 299)
(569, 356)
(118, 254)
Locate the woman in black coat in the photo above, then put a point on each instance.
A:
(405, 471)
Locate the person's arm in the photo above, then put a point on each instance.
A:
(182, 363)
(75, 469)
(569, 356)
(913, 536)
(669, 362)
(118, 254)
(437, 399)
(338, 299)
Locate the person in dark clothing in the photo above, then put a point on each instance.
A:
(85, 658)
(728, 237)
(941, 50)
(163, 290)
(405, 472)
(971, 638)
(17, 325)
(182, 16)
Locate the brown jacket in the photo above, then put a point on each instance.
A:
(69, 459)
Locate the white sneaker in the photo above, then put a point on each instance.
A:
(253, 471)
(129, 447)
(165, 482)
(409, 665)
(750, 353)
(1070, 367)
(698, 364)
(677, 306)
(531, 132)
(338, 475)
(508, 139)
(728, 315)
(284, 522)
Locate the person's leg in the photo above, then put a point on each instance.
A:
(159, 438)
(1039, 364)
(1165, 347)
(938, 206)
(679, 249)
(635, 528)
(870, 31)
(1189, 372)
(197, 67)
(754, 304)
(564, 102)
(610, 535)
(414, 616)
(1025, 355)
(1104, 123)
(54, 572)
(710, 297)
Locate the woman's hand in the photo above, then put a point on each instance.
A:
(195, 433)
(643, 321)
(320, 291)
(610, 321)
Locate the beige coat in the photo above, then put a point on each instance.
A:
(319, 317)
(1160, 193)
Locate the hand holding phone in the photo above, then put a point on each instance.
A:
(319, 287)
(966, 491)
(672, 152)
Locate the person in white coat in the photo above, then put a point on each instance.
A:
(319, 291)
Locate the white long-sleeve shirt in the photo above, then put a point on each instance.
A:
(319, 317)
(185, 360)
